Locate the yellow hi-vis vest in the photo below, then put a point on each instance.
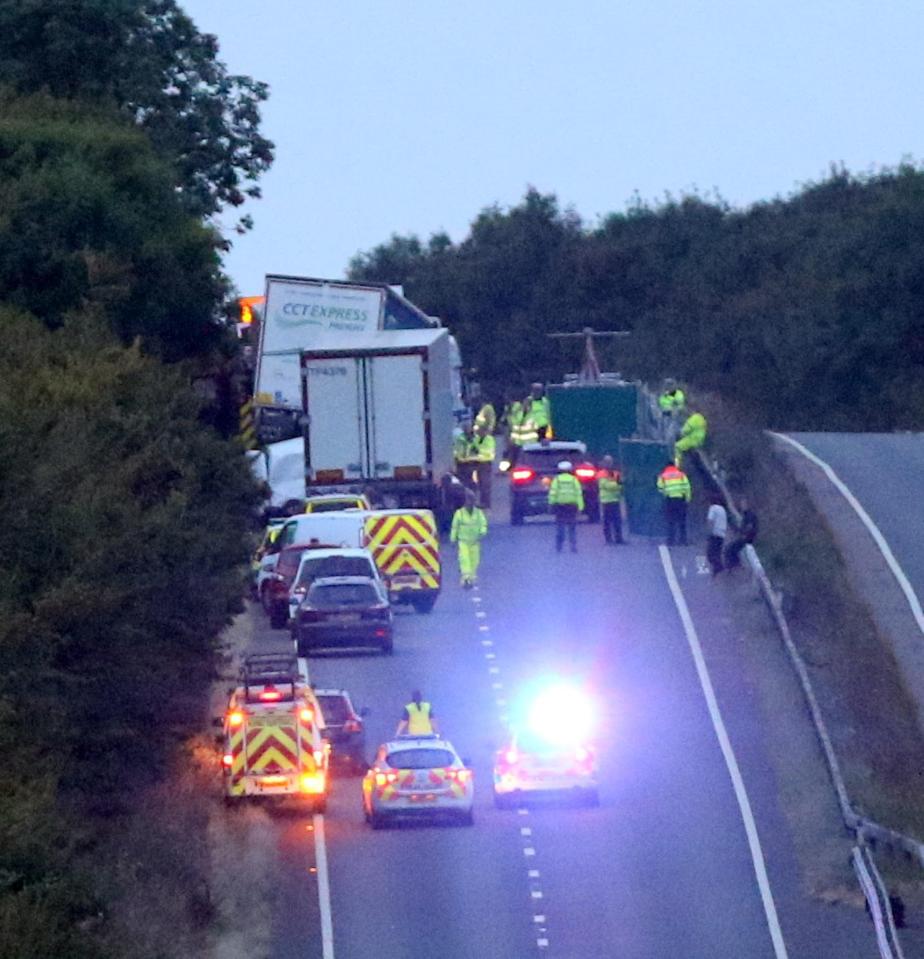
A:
(609, 482)
(418, 721)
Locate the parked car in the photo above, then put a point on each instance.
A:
(321, 563)
(536, 466)
(343, 728)
(274, 581)
(344, 611)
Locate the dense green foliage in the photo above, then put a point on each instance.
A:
(88, 214)
(124, 519)
(125, 514)
(146, 59)
(809, 311)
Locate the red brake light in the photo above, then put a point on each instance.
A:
(585, 472)
(382, 779)
(235, 718)
(511, 757)
(522, 474)
(269, 695)
(227, 759)
(306, 715)
(352, 726)
(459, 775)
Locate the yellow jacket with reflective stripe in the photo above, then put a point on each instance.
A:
(486, 417)
(468, 525)
(609, 482)
(539, 411)
(674, 484)
(418, 721)
(566, 491)
(484, 448)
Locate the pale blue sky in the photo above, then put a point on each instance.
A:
(400, 116)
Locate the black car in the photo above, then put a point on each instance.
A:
(536, 466)
(343, 728)
(343, 611)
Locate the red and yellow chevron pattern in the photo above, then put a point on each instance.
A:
(405, 545)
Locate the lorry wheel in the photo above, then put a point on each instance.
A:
(424, 604)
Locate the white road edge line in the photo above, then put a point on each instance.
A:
(744, 805)
(327, 919)
(867, 521)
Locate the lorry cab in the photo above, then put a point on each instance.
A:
(272, 733)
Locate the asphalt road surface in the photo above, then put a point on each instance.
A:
(661, 870)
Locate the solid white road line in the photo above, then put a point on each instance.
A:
(731, 763)
(867, 521)
(327, 921)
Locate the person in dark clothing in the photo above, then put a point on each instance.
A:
(746, 534)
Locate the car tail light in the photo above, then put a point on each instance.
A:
(585, 473)
(352, 726)
(235, 718)
(511, 757)
(522, 474)
(383, 779)
(306, 715)
(312, 783)
(459, 775)
(227, 759)
(269, 695)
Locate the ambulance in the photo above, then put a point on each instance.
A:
(272, 735)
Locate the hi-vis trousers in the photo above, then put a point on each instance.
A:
(469, 560)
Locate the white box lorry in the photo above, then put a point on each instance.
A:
(378, 413)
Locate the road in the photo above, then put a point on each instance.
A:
(661, 869)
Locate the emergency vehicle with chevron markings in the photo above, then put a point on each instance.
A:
(405, 546)
(273, 745)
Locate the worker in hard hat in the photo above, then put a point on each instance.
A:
(567, 501)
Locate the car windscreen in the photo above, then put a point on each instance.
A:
(334, 709)
(342, 594)
(332, 506)
(420, 758)
(313, 569)
(288, 561)
(547, 460)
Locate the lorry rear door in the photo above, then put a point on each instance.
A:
(337, 430)
(397, 428)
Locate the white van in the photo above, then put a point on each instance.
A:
(342, 528)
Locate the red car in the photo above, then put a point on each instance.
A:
(274, 592)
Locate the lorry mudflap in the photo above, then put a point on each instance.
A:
(406, 550)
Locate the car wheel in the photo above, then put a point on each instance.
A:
(388, 647)
(377, 820)
(424, 604)
(278, 617)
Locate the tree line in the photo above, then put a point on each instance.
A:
(807, 311)
(125, 513)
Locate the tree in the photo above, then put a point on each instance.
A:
(146, 58)
(89, 214)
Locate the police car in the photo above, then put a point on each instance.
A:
(537, 466)
(549, 752)
(414, 777)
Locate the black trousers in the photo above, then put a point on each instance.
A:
(612, 522)
(484, 471)
(714, 553)
(566, 516)
(675, 516)
(733, 552)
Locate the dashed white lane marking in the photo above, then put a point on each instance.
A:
(529, 851)
(542, 943)
(538, 919)
(487, 642)
(536, 893)
(483, 628)
(534, 874)
(744, 805)
(525, 831)
(320, 856)
(490, 655)
(494, 670)
(476, 599)
(497, 685)
(481, 614)
(910, 595)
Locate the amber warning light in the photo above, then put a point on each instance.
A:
(247, 305)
